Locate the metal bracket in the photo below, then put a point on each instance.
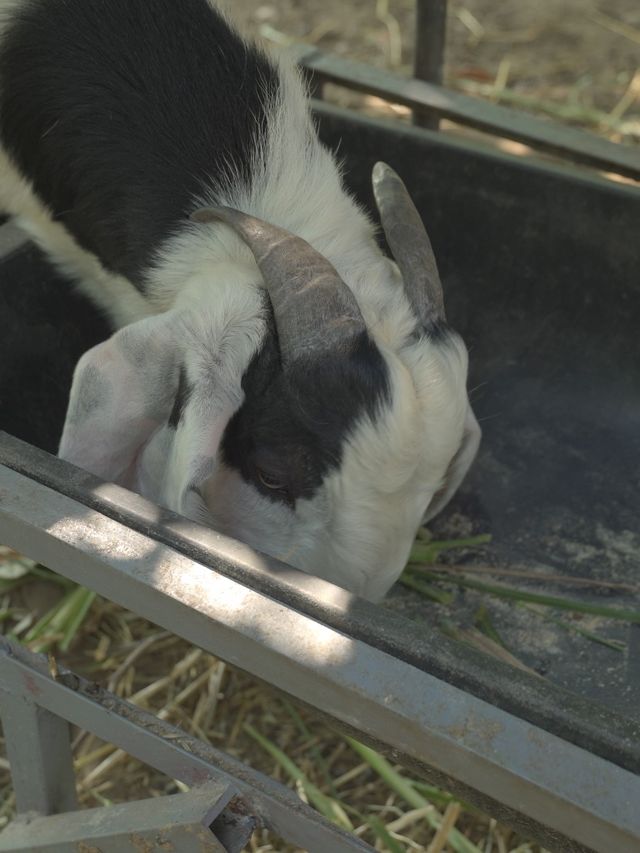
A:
(180, 822)
(246, 798)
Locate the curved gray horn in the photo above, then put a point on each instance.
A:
(409, 243)
(313, 308)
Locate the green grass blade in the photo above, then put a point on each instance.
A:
(616, 645)
(315, 752)
(434, 593)
(620, 613)
(428, 552)
(405, 789)
(44, 622)
(327, 806)
(484, 623)
(384, 835)
(386, 772)
(82, 600)
(441, 798)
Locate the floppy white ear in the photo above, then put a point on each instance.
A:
(181, 457)
(458, 466)
(122, 391)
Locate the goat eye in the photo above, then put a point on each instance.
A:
(270, 482)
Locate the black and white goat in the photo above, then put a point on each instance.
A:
(275, 375)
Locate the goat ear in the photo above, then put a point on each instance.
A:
(122, 391)
(458, 466)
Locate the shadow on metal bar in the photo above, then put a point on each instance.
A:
(230, 799)
(520, 772)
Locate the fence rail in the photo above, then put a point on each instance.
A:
(531, 776)
(251, 798)
(425, 98)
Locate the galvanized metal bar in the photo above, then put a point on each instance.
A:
(415, 714)
(174, 752)
(560, 140)
(39, 752)
(429, 47)
(586, 724)
(179, 822)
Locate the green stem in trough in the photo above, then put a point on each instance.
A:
(615, 645)
(428, 552)
(435, 593)
(484, 623)
(620, 613)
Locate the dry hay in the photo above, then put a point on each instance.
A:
(225, 707)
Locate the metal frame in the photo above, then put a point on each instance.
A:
(245, 798)
(184, 822)
(533, 777)
(426, 98)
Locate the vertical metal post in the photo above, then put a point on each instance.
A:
(39, 752)
(431, 23)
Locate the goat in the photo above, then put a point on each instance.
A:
(274, 375)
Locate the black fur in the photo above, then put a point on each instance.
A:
(292, 425)
(46, 327)
(122, 112)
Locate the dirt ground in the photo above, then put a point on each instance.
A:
(575, 60)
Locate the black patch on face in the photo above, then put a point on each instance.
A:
(122, 112)
(437, 331)
(292, 425)
(185, 389)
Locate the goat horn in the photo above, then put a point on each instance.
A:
(313, 308)
(410, 245)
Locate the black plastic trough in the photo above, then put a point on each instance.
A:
(541, 276)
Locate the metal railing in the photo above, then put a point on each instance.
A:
(212, 591)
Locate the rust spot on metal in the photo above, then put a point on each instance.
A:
(472, 732)
(31, 686)
(239, 806)
(141, 844)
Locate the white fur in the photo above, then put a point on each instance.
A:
(358, 528)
